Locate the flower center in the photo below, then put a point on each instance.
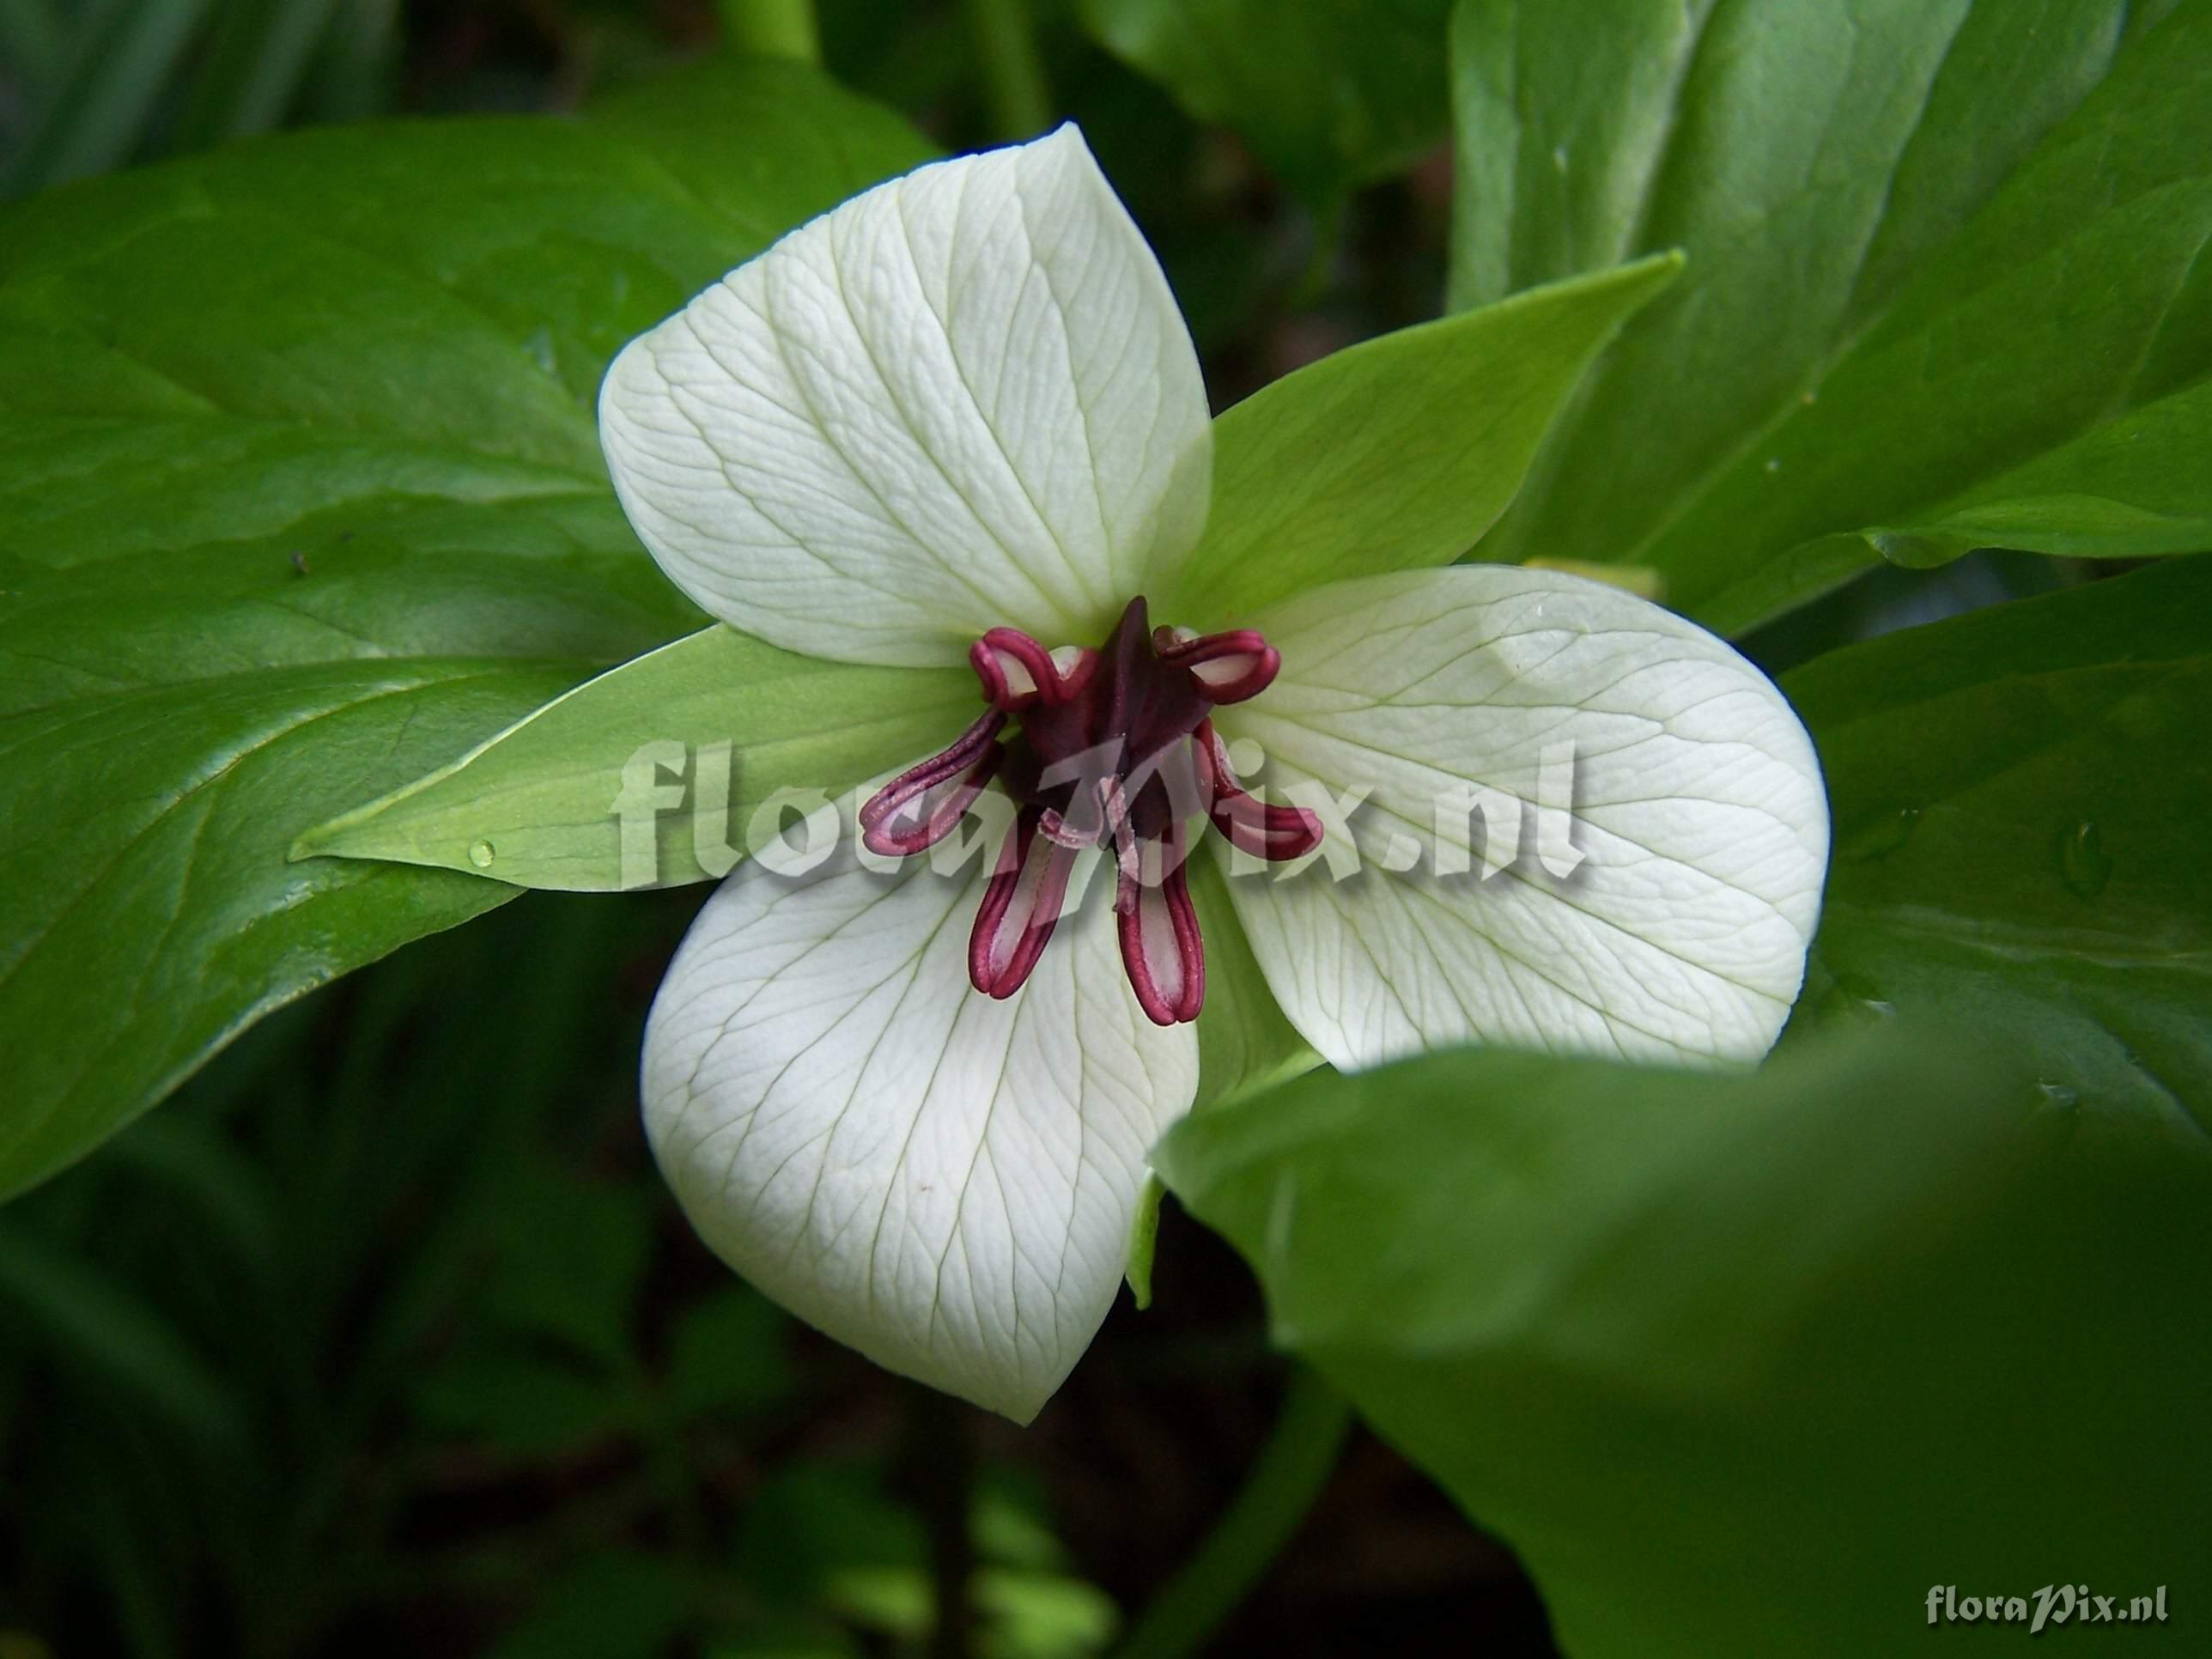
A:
(1113, 748)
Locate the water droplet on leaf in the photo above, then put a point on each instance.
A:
(2083, 861)
(1884, 836)
(481, 854)
(1854, 997)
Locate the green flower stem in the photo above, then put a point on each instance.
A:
(940, 1477)
(1013, 73)
(1283, 1484)
(772, 28)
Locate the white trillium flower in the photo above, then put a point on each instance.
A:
(960, 417)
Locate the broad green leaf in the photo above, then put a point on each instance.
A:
(1402, 451)
(300, 497)
(718, 720)
(146, 915)
(1744, 1365)
(2020, 797)
(2136, 485)
(1944, 286)
(1330, 93)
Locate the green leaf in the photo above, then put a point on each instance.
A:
(786, 1637)
(570, 1256)
(613, 1604)
(2020, 798)
(1244, 1042)
(1945, 285)
(355, 69)
(1027, 1614)
(107, 1335)
(1330, 93)
(727, 1354)
(1745, 1365)
(809, 1521)
(301, 497)
(518, 1403)
(96, 111)
(145, 913)
(721, 721)
(1143, 1242)
(773, 28)
(1402, 451)
(258, 54)
(33, 44)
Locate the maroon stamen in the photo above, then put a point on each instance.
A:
(1112, 747)
(1020, 909)
(918, 808)
(1231, 666)
(1017, 672)
(1274, 833)
(1161, 949)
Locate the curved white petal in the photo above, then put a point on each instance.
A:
(1693, 843)
(964, 399)
(943, 1182)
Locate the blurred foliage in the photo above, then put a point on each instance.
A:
(89, 85)
(1343, 91)
(307, 497)
(385, 1338)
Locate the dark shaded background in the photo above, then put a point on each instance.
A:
(384, 1337)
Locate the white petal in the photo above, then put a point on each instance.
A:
(964, 399)
(943, 1182)
(1698, 816)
